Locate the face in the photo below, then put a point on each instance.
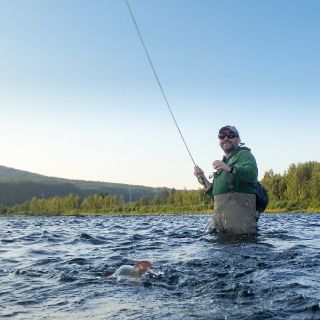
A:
(228, 141)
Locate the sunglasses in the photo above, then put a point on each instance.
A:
(222, 136)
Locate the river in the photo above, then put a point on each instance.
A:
(57, 267)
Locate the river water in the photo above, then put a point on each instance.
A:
(57, 268)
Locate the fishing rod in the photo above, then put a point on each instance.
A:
(156, 76)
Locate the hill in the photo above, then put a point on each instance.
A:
(17, 186)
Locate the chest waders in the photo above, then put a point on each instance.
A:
(234, 212)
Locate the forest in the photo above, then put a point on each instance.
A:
(18, 186)
(296, 190)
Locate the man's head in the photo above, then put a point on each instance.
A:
(229, 138)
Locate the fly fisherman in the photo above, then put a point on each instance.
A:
(233, 187)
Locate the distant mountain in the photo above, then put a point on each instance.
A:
(17, 186)
(10, 174)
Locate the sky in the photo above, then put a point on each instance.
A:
(79, 100)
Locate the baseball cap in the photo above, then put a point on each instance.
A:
(229, 128)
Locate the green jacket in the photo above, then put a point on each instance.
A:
(244, 178)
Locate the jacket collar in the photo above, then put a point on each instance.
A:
(235, 151)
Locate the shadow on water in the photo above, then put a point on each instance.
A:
(232, 239)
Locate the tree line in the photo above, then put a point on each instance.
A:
(172, 201)
(14, 192)
(297, 189)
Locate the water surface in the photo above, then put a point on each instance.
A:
(57, 267)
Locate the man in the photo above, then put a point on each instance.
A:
(233, 187)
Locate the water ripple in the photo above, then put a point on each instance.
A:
(59, 267)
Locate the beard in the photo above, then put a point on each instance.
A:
(227, 147)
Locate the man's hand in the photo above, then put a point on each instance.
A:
(220, 165)
(198, 172)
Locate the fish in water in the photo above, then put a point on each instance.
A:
(131, 273)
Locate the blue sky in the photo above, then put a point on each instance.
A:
(78, 98)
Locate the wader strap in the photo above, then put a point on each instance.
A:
(230, 176)
(230, 182)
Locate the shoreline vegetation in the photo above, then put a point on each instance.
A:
(296, 191)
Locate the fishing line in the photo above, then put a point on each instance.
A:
(157, 78)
